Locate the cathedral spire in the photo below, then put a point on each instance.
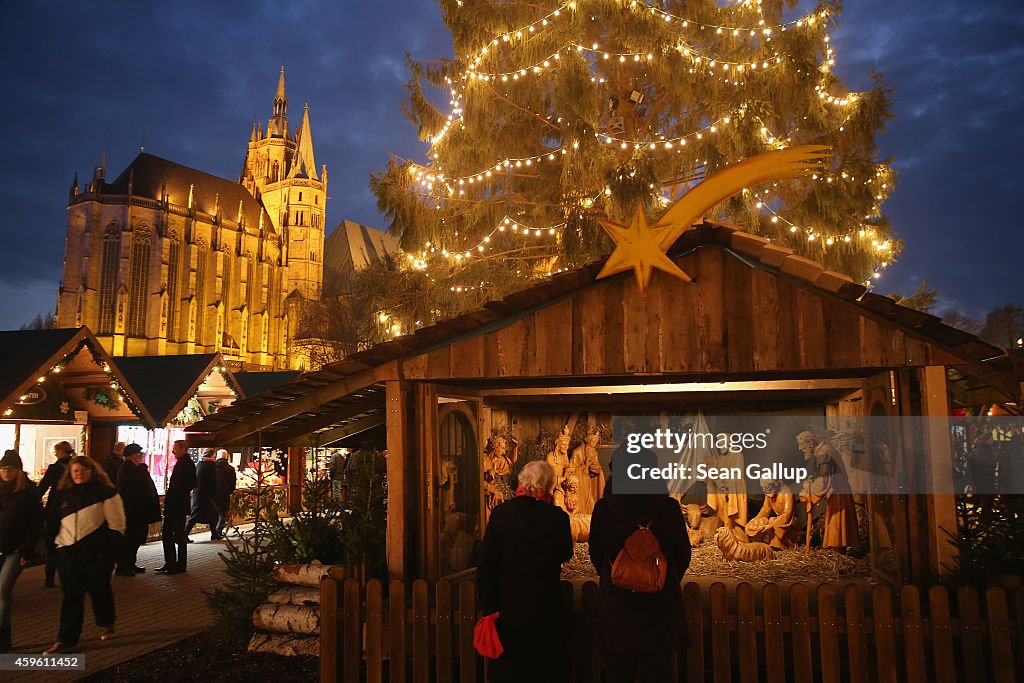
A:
(278, 125)
(305, 163)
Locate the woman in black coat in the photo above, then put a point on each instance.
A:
(141, 507)
(21, 526)
(526, 541)
(639, 633)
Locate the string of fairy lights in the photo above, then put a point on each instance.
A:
(436, 182)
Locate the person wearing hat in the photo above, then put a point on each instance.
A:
(21, 527)
(54, 473)
(112, 465)
(141, 507)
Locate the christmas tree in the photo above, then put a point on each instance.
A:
(562, 113)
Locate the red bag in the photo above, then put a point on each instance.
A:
(640, 565)
(485, 637)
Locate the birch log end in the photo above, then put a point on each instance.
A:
(302, 574)
(287, 645)
(288, 619)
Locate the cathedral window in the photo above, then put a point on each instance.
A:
(173, 285)
(200, 301)
(138, 281)
(300, 196)
(108, 278)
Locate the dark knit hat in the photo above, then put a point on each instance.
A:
(11, 459)
(131, 449)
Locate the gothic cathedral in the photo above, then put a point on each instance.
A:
(170, 260)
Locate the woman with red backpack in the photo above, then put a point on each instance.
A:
(639, 546)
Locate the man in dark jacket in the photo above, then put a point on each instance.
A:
(526, 541)
(203, 511)
(176, 507)
(639, 632)
(141, 507)
(114, 461)
(226, 482)
(54, 473)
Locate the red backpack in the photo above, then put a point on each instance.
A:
(640, 566)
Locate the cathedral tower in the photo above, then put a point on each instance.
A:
(280, 171)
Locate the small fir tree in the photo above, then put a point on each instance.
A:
(248, 563)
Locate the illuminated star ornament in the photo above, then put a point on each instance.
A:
(642, 247)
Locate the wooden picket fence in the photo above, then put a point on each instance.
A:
(860, 633)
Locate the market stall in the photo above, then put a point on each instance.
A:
(60, 385)
(540, 374)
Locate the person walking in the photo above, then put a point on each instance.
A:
(85, 521)
(53, 475)
(21, 527)
(176, 507)
(141, 507)
(203, 510)
(639, 632)
(226, 482)
(526, 541)
(114, 461)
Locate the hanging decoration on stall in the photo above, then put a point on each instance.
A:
(102, 396)
(643, 247)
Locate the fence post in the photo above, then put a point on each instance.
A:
(420, 632)
(443, 632)
(884, 636)
(774, 640)
(999, 634)
(396, 615)
(329, 641)
(747, 632)
(800, 613)
(695, 626)
(856, 637)
(721, 652)
(467, 620)
(828, 635)
(971, 641)
(913, 634)
(374, 632)
(352, 639)
(942, 635)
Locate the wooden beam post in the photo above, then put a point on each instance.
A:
(296, 472)
(399, 460)
(942, 521)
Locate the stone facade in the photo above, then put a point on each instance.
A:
(170, 260)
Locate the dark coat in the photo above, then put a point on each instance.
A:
(226, 482)
(113, 466)
(141, 501)
(53, 475)
(203, 510)
(183, 480)
(639, 622)
(92, 505)
(519, 575)
(21, 519)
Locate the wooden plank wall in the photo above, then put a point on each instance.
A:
(746, 633)
(732, 318)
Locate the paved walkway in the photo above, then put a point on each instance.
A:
(153, 611)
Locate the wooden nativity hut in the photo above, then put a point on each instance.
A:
(759, 328)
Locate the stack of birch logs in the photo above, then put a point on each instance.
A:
(289, 622)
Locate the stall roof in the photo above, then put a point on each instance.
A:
(166, 383)
(27, 355)
(253, 383)
(315, 394)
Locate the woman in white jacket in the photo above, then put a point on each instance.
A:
(85, 521)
